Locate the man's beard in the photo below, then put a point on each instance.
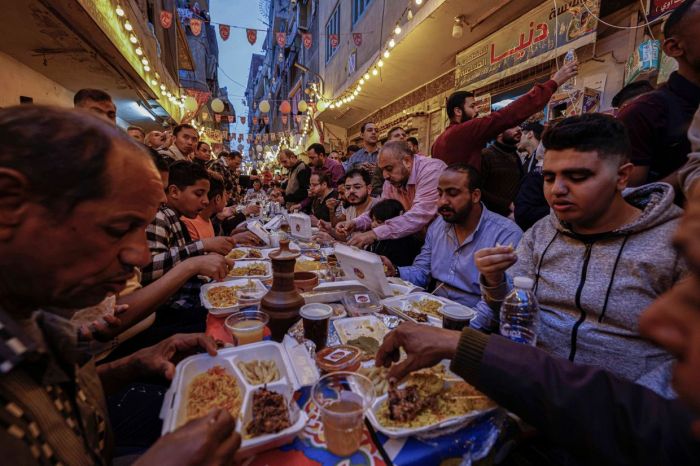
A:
(359, 201)
(456, 217)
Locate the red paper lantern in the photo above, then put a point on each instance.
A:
(285, 107)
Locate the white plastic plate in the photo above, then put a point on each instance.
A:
(218, 311)
(246, 263)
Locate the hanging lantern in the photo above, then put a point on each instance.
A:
(264, 106)
(191, 103)
(302, 106)
(285, 107)
(217, 105)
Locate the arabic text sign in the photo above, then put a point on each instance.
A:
(660, 7)
(534, 38)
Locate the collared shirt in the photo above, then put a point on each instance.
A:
(658, 124)
(419, 198)
(332, 168)
(52, 406)
(446, 260)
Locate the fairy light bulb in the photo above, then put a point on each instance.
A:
(397, 30)
(386, 54)
(146, 68)
(144, 61)
(133, 39)
(392, 43)
(139, 51)
(380, 63)
(128, 26)
(374, 72)
(366, 76)
(119, 10)
(419, 2)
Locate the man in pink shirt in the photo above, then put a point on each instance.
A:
(410, 179)
(321, 163)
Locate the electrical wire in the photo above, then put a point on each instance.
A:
(647, 23)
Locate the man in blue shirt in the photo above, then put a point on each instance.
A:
(366, 158)
(465, 227)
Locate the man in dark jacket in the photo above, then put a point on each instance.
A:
(585, 414)
(501, 172)
(296, 187)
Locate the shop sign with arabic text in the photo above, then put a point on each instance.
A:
(536, 37)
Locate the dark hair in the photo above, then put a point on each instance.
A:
(200, 143)
(216, 185)
(364, 126)
(676, 17)
(591, 132)
(162, 163)
(288, 153)
(258, 180)
(398, 146)
(631, 91)
(95, 95)
(254, 172)
(394, 129)
(386, 209)
(223, 154)
(472, 173)
(352, 148)
(234, 154)
(137, 128)
(456, 99)
(179, 128)
(74, 169)
(323, 178)
(184, 173)
(535, 127)
(366, 177)
(412, 140)
(341, 180)
(317, 147)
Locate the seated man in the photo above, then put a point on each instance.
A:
(201, 226)
(598, 259)
(464, 227)
(73, 221)
(358, 187)
(256, 192)
(410, 179)
(583, 414)
(320, 192)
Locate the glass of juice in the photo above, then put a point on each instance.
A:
(343, 398)
(247, 326)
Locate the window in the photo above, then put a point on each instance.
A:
(332, 28)
(358, 7)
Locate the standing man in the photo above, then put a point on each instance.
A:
(410, 179)
(98, 102)
(296, 188)
(227, 165)
(137, 133)
(186, 138)
(202, 154)
(658, 121)
(397, 133)
(501, 172)
(366, 157)
(530, 136)
(321, 163)
(467, 135)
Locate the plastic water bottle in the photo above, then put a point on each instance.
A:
(520, 313)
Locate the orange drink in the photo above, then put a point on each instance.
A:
(247, 326)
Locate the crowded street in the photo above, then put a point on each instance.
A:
(350, 232)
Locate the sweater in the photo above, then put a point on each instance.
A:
(501, 173)
(592, 289)
(585, 414)
(462, 142)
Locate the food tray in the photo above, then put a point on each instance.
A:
(402, 303)
(174, 408)
(435, 428)
(219, 311)
(365, 267)
(245, 263)
(247, 252)
(354, 327)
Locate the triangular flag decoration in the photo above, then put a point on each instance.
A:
(284, 119)
(231, 118)
(357, 38)
(266, 119)
(224, 31)
(334, 40)
(166, 19)
(255, 121)
(252, 35)
(217, 117)
(196, 26)
(307, 40)
(281, 39)
(242, 120)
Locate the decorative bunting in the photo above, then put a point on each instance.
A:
(334, 40)
(242, 120)
(166, 19)
(357, 38)
(231, 118)
(307, 40)
(196, 26)
(281, 39)
(252, 35)
(224, 31)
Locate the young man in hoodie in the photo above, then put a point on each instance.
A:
(597, 260)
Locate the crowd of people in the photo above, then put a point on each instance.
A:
(601, 211)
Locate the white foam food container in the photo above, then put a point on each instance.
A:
(247, 252)
(174, 410)
(258, 230)
(398, 305)
(400, 432)
(354, 327)
(247, 262)
(300, 226)
(220, 311)
(365, 267)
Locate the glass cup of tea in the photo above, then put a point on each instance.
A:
(315, 319)
(247, 326)
(343, 398)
